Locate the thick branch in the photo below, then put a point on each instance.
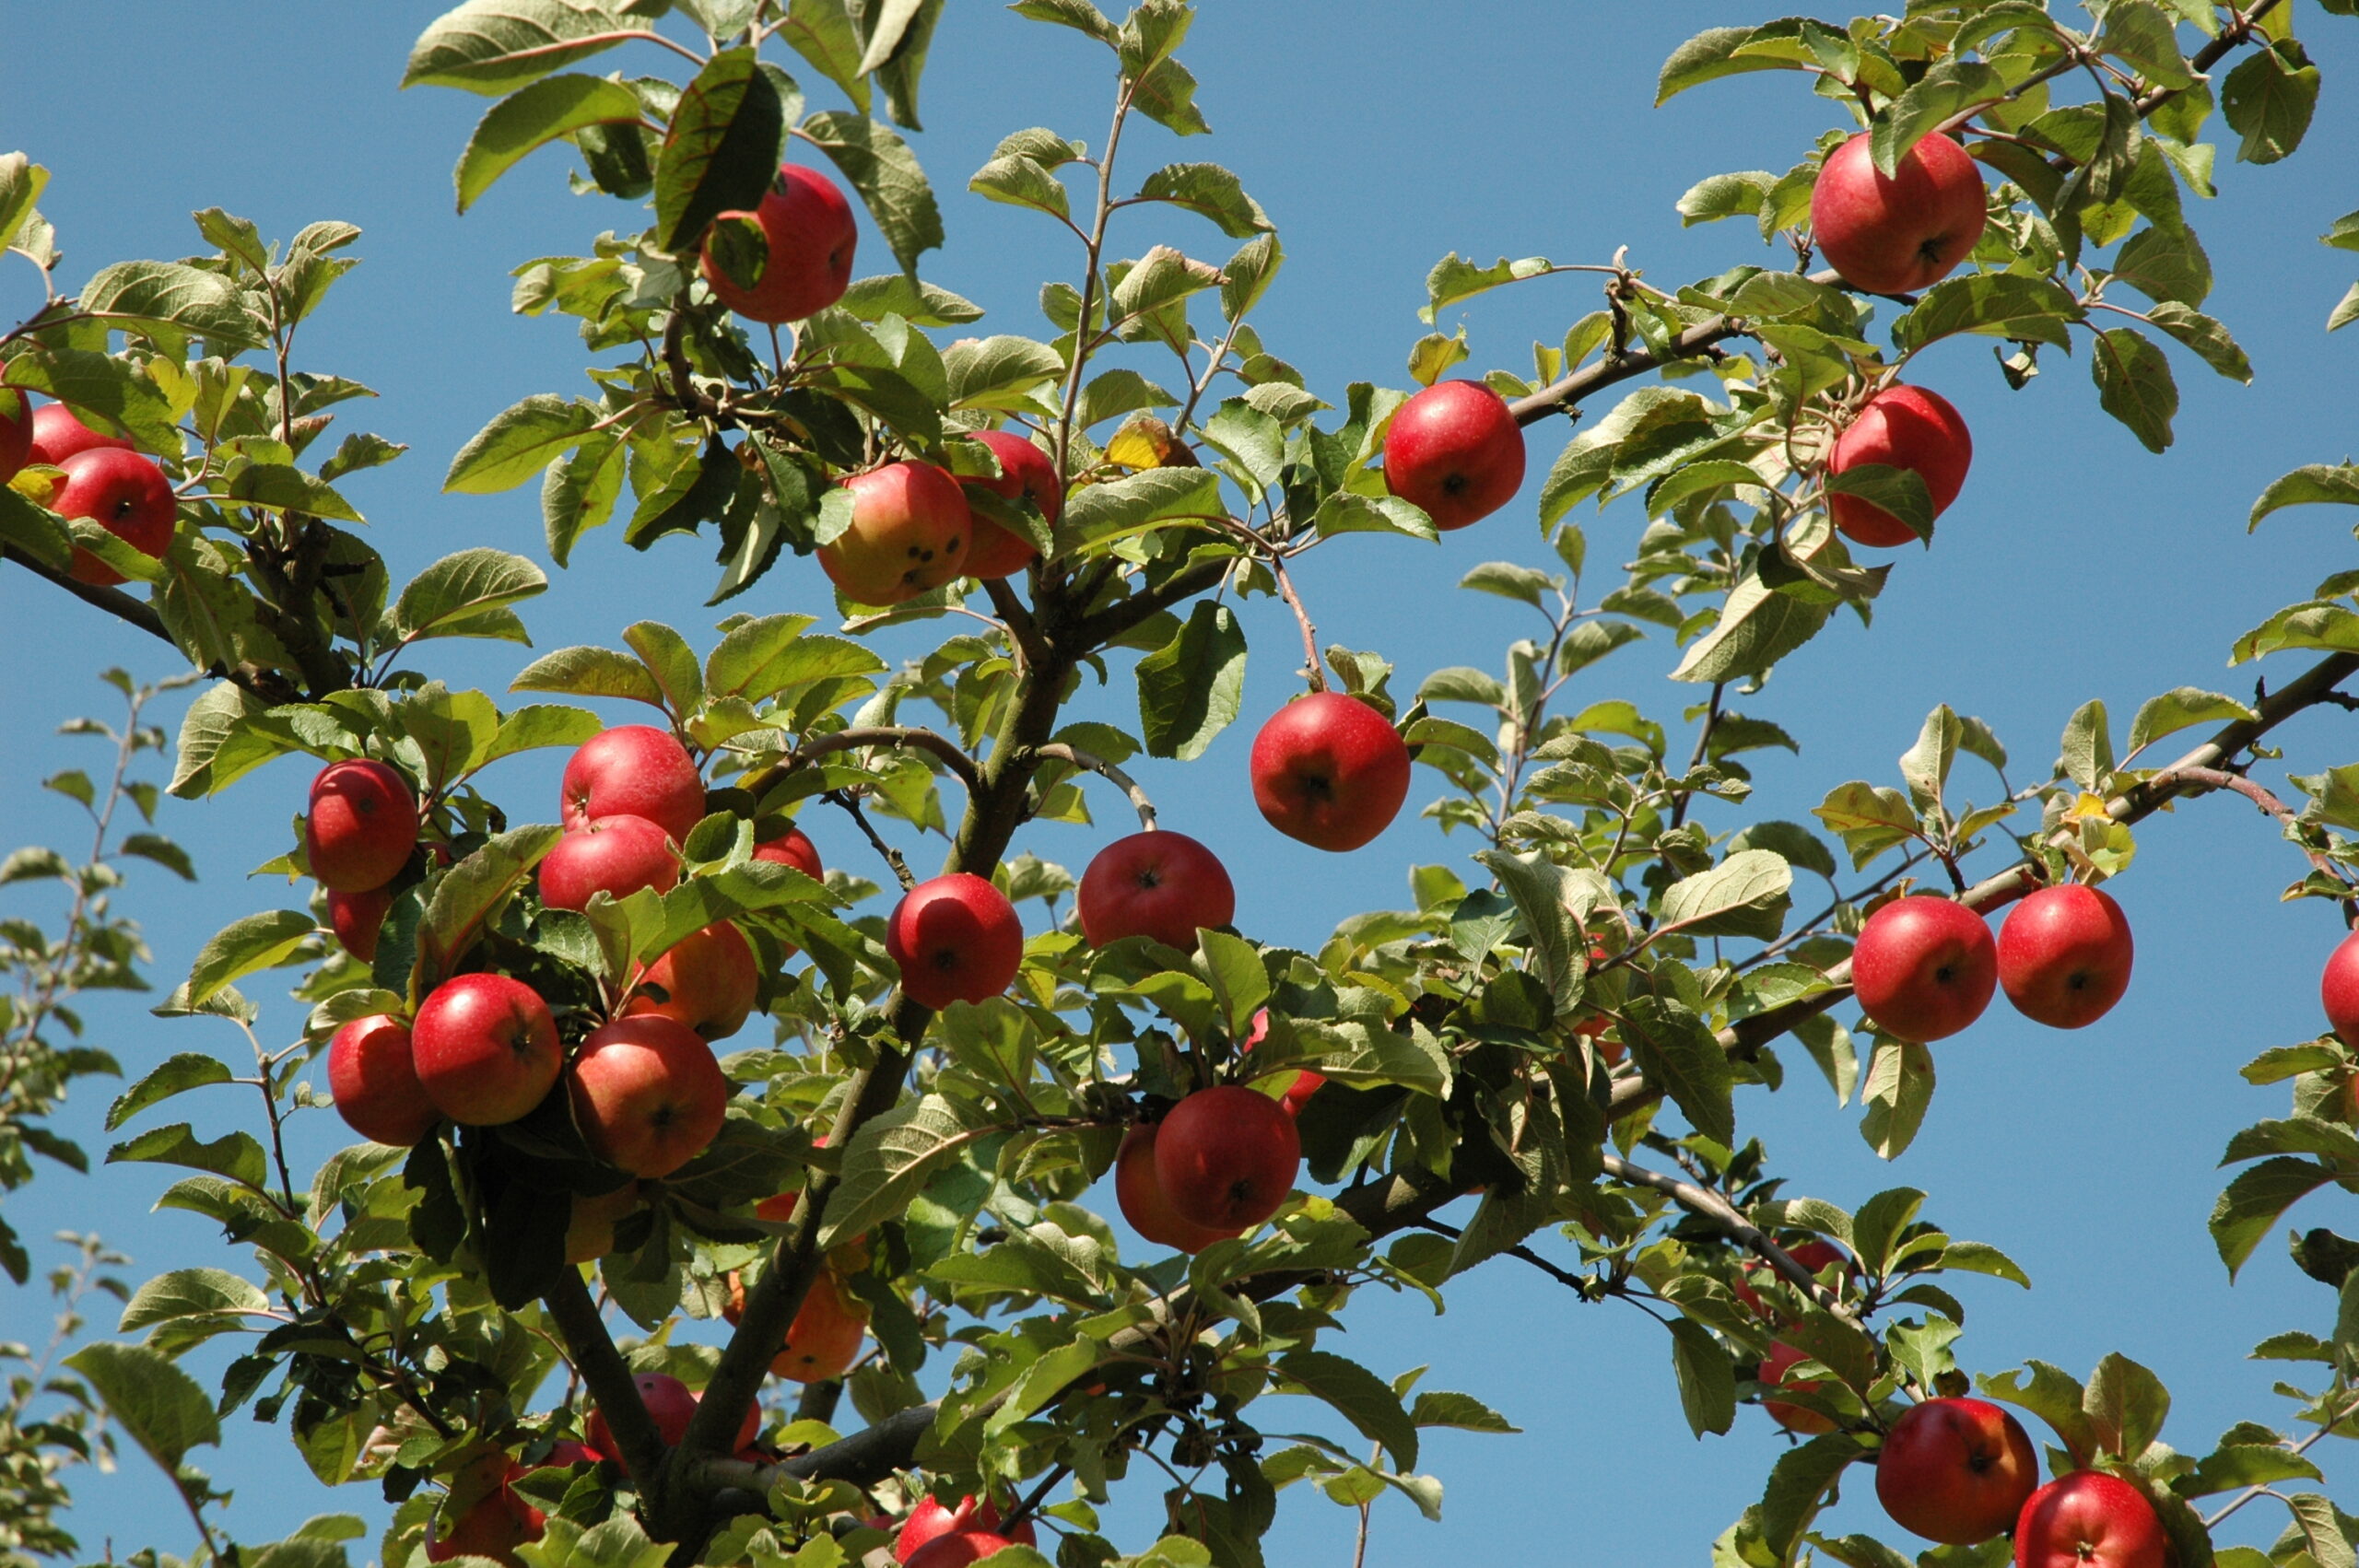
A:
(113, 601)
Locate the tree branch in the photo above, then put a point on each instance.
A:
(611, 1386)
(113, 601)
(1720, 1213)
(1099, 764)
(923, 740)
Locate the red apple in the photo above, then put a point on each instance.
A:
(647, 1094)
(956, 939)
(16, 432)
(1139, 1193)
(633, 770)
(812, 236)
(122, 493)
(358, 917)
(957, 1549)
(1158, 885)
(361, 826)
(375, 1083)
(792, 848)
(486, 1048)
(826, 1336)
(58, 434)
(2338, 988)
(1812, 1255)
(1306, 1083)
(1924, 968)
(1956, 1470)
(1900, 428)
(1781, 1359)
(707, 981)
(614, 855)
(930, 1521)
(1328, 769)
(2090, 1519)
(2064, 955)
(671, 1404)
(1225, 1157)
(486, 1518)
(1025, 470)
(1455, 451)
(908, 535)
(1898, 235)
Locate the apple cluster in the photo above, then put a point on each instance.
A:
(96, 476)
(1926, 966)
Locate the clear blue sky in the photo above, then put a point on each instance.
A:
(1379, 136)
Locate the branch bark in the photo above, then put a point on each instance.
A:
(612, 1388)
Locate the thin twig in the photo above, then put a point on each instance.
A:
(1099, 764)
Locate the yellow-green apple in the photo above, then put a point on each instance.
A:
(647, 1093)
(1782, 1358)
(1329, 770)
(2064, 955)
(956, 939)
(374, 1080)
(810, 234)
(1225, 1157)
(826, 1336)
(356, 917)
(614, 855)
(361, 826)
(706, 980)
(993, 552)
(122, 493)
(908, 535)
(2338, 988)
(671, 1404)
(58, 434)
(633, 770)
(15, 431)
(1924, 968)
(1138, 1191)
(1900, 428)
(486, 1048)
(1455, 451)
(2090, 1519)
(1956, 1470)
(1160, 884)
(1900, 234)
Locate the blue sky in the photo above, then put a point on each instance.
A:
(1379, 136)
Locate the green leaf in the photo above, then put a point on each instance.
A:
(721, 150)
(1724, 195)
(2126, 1406)
(493, 46)
(1997, 304)
(1706, 1380)
(2207, 337)
(2137, 33)
(467, 594)
(2134, 385)
(532, 117)
(1758, 626)
(1676, 1052)
(822, 32)
(174, 1075)
(1360, 1396)
(885, 171)
(1079, 15)
(1524, 584)
(2324, 627)
(519, 443)
(235, 1156)
(1898, 492)
(1016, 180)
(897, 294)
(672, 662)
(1239, 979)
(1745, 894)
(2232, 1466)
(160, 1406)
(1718, 51)
(2345, 311)
(578, 492)
(2179, 709)
(190, 1292)
(1001, 373)
(892, 1157)
(1551, 928)
(1797, 1488)
(1949, 88)
(175, 295)
(470, 892)
(1899, 1090)
(2269, 99)
(2252, 1204)
(1191, 689)
(1462, 1411)
(1345, 512)
(37, 533)
(221, 739)
(21, 182)
(1248, 275)
(1980, 1258)
(257, 941)
(1208, 190)
(2312, 484)
(1925, 766)
(2166, 267)
(535, 727)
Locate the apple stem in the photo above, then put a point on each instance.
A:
(1310, 667)
(1099, 764)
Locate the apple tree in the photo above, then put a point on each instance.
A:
(661, 1054)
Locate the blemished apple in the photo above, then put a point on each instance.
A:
(993, 552)
(357, 919)
(671, 1405)
(1897, 235)
(2090, 1519)
(16, 432)
(1138, 1191)
(614, 855)
(1455, 451)
(812, 235)
(1925, 968)
(792, 847)
(486, 1048)
(122, 493)
(2338, 988)
(706, 980)
(2064, 955)
(956, 939)
(632, 770)
(1813, 1255)
(590, 1226)
(374, 1081)
(825, 1339)
(1329, 770)
(1225, 1157)
(58, 433)
(1900, 428)
(1956, 1470)
(1782, 1358)
(908, 535)
(1160, 884)
(648, 1094)
(360, 826)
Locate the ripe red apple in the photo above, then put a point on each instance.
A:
(2090, 1519)
(826, 1334)
(2064, 955)
(1924, 968)
(707, 981)
(1138, 1190)
(930, 1521)
(671, 1404)
(485, 1517)
(122, 493)
(908, 535)
(486, 1048)
(633, 770)
(647, 1094)
(1900, 428)
(375, 1083)
(590, 1228)
(1328, 770)
(1812, 1255)
(58, 434)
(1455, 451)
(1956, 1470)
(2338, 988)
(1025, 470)
(1227, 1157)
(812, 236)
(361, 826)
(614, 855)
(358, 917)
(957, 1549)
(1781, 1359)
(16, 432)
(1305, 1083)
(1160, 884)
(1898, 235)
(956, 939)
(792, 848)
